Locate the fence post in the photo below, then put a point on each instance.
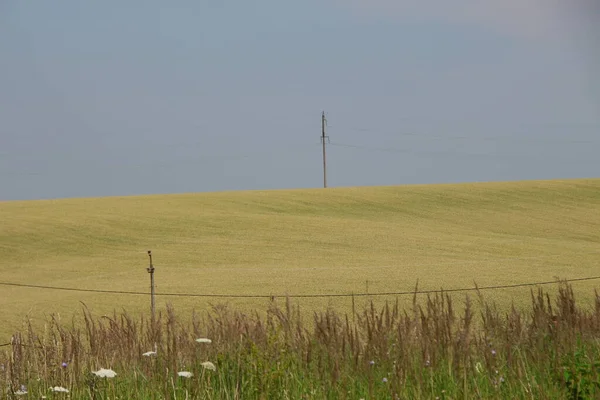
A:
(353, 309)
(150, 270)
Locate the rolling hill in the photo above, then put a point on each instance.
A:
(297, 242)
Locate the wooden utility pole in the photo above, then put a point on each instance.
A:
(150, 270)
(323, 138)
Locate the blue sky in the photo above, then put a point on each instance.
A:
(108, 98)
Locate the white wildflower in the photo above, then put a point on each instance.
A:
(209, 365)
(149, 353)
(203, 340)
(59, 389)
(105, 373)
(185, 374)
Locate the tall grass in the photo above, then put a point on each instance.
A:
(429, 351)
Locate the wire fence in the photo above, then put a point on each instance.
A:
(272, 296)
(315, 295)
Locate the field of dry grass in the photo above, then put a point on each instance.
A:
(338, 240)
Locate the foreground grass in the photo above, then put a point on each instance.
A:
(297, 242)
(426, 352)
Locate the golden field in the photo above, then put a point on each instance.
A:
(332, 241)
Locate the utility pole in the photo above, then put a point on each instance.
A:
(150, 270)
(323, 138)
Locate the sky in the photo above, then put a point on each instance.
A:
(124, 98)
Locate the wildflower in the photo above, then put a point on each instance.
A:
(384, 380)
(493, 352)
(203, 340)
(149, 353)
(427, 363)
(64, 364)
(501, 379)
(371, 362)
(105, 373)
(209, 365)
(185, 374)
(59, 389)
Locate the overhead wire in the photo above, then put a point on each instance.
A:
(202, 158)
(314, 295)
(420, 134)
(413, 292)
(431, 152)
(224, 156)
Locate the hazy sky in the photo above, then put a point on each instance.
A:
(116, 98)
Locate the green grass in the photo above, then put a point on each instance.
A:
(434, 351)
(337, 240)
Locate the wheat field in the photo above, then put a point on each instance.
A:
(296, 242)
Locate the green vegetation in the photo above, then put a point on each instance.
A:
(431, 351)
(515, 343)
(338, 240)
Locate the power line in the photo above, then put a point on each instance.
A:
(407, 151)
(305, 148)
(324, 138)
(309, 147)
(494, 138)
(433, 152)
(369, 148)
(247, 296)
(500, 120)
